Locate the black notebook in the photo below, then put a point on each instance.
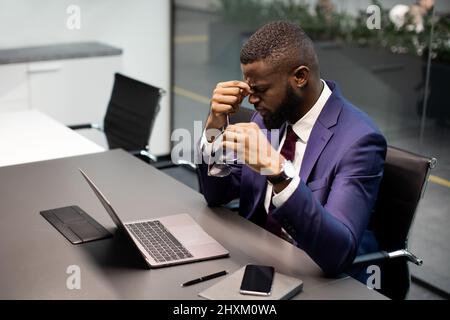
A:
(75, 224)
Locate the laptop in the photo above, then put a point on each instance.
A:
(165, 241)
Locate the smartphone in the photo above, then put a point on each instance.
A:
(257, 280)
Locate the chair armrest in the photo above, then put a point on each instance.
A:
(233, 205)
(183, 163)
(86, 126)
(145, 154)
(371, 257)
(384, 255)
(404, 253)
(187, 164)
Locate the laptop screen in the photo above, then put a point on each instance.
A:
(104, 201)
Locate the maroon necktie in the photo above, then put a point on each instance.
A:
(288, 152)
(288, 149)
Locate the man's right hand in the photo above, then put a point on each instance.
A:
(226, 99)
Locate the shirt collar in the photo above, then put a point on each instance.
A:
(303, 127)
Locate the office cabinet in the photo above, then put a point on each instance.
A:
(13, 87)
(71, 82)
(73, 91)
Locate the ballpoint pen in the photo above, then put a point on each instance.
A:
(204, 278)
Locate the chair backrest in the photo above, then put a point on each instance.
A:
(403, 184)
(131, 113)
(404, 180)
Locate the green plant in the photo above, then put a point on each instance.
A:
(441, 40)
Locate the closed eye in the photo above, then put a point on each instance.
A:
(259, 90)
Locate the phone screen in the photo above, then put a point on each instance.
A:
(257, 280)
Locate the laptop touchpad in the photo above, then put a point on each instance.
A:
(75, 224)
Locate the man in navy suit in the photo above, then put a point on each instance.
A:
(317, 188)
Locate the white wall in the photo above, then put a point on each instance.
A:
(140, 27)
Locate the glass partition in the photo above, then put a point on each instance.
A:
(379, 54)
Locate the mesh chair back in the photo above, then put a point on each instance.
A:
(131, 112)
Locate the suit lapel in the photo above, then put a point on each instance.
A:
(321, 133)
(318, 139)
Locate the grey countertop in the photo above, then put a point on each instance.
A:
(57, 52)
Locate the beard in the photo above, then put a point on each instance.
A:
(285, 110)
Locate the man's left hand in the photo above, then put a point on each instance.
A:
(253, 148)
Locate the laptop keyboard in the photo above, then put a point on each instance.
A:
(158, 241)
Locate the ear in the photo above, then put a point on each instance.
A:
(301, 76)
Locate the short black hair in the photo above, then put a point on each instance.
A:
(281, 43)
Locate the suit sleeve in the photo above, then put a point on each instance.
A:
(330, 233)
(218, 191)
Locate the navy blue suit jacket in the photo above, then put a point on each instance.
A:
(340, 174)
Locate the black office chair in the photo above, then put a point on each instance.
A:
(403, 184)
(130, 116)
